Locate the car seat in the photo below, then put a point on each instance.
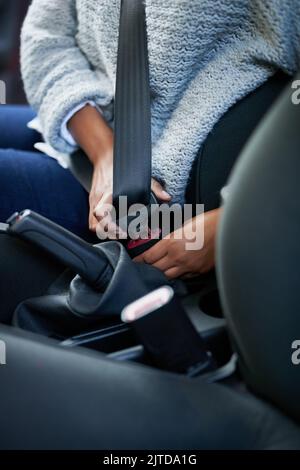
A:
(60, 398)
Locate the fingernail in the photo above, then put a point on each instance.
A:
(165, 194)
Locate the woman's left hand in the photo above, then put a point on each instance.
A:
(171, 256)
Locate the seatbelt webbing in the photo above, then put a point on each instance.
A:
(132, 132)
(132, 136)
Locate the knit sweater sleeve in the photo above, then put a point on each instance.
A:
(57, 76)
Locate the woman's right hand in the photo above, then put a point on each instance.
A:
(101, 190)
(101, 200)
(95, 137)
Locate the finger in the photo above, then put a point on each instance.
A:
(154, 254)
(93, 201)
(164, 264)
(139, 258)
(110, 230)
(102, 213)
(105, 229)
(159, 191)
(94, 224)
(91, 214)
(104, 206)
(174, 272)
(92, 221)
(106, 225)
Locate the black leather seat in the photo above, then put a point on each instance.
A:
(259, 256)
(51, 397)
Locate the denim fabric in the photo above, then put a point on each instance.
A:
(32, 180)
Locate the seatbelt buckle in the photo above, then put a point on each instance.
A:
(150, 230)
(170, 339)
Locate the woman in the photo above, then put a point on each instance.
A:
(205, 56)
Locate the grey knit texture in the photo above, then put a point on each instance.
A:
(205, 55)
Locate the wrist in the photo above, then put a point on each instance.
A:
(103, 170)
(93, 135)
(102, 159)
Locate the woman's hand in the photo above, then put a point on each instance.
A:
(101, 190)
(101, 195)
(95, 137)
(171, 256)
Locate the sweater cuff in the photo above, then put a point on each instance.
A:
(65, 96)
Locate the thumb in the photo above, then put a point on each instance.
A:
(159, 191)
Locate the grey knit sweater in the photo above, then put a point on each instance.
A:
(204, 56)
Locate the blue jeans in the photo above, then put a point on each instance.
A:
(32, 180)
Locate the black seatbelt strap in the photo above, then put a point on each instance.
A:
(132, 132)
(132, 123)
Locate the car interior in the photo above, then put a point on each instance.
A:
(209, 374)
(253, 381)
